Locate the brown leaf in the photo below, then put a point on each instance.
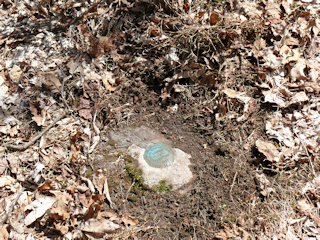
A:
(214, 18)
(85, 109)
(291, 41)
(226, 233)
(259, 44)
(15, 73)
(242, 96)
(38, 118)
(61, 209)
(46, 186)
(290, 55)
(6, 181)
(98, 181)
(263, 184)
(51, 82)
(307, 209)
(99, 227)
(84, 199)
(106, 43)
(268, 149)
(299, 97)
(62, 228)
(154, 31)
(297, 72)
(38, 208)
(3, 165)
(4, 235)
(92, 211)
(109, 82)
(106, 191)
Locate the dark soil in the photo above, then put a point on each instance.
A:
(223, 184)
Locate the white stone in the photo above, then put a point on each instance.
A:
(175, 175)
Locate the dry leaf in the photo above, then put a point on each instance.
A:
(269, 150)
(15, 73)
(238, 95)
(172, 57)
(214, 18)
(287, 6)
(46, 186)
(106, 191)
(293, 57)
(98, 181)
(92, 211)
(109, 81)
(38, 208)
(99, 227)
(51, 82)
(106, 43)
(273, 96)
(154, 31)
(297, 72)
(259, 45)
(225, 233)
(89, 183)
(6, 181)
(64, 229)
(38, 118)
(4, 235)
(264, 184)
(284, 50)
(36, 174)
(248, 101)
(12, 131)
(74, 67)
(84, 199)
(307, 209)
(3, 165)
(291, 41)
(299, 97)
(85, 108)
(61, 209)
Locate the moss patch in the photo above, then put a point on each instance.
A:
(162, 187)
(136, 177)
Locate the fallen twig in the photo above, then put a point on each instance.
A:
(5, 218)
(35, 138)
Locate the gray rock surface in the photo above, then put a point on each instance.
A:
(136, 140)
(175, 175)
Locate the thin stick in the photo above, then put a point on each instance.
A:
(35, 138)
(5, 218)
(232, 185)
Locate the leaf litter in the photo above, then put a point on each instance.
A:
(277, 42)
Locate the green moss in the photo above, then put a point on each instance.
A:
(64, 184)
(230, 220)
(132, 198)
(110, 158)
(89, 173)
(134, 173)
(128, 158)
(222, 206)
(125, 156)
(136, 177)
(162, 187)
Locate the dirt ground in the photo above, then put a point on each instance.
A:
(223, 169)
